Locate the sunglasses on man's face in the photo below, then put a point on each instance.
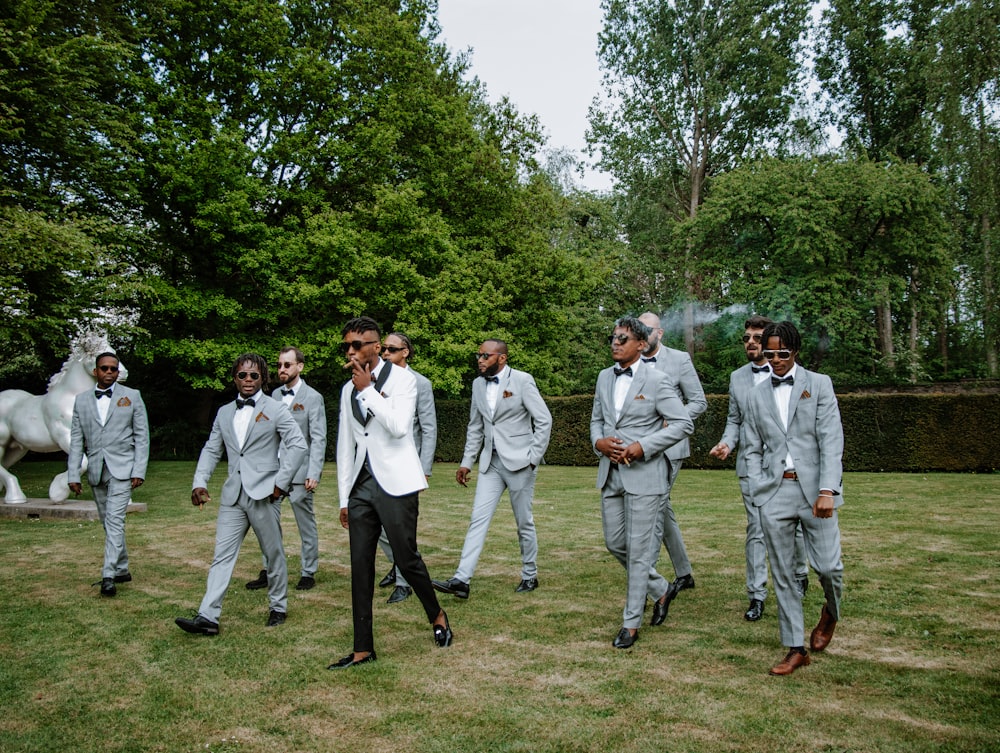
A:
(620, 339)
(112, 369)
(252, 374)
(346, 346)
(391, 349)
(781, 355)
(748, 338)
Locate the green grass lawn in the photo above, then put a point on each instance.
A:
(914, 665)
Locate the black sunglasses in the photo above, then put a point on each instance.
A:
(748, 338)
(345, 347)
(391, 349)
(245, 374)
(620, 339)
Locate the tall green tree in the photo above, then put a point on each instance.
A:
(691, 88)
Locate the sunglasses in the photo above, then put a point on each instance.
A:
(485, 356)
(245, 374)
(781, 355)
(391, 349)
(107, 368)
(345, 347)
(620, 339)
(286, 364)
(748, 338)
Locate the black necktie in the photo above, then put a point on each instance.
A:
(649, 360)
(103, 393)
(758, 369)
(249, 401)
(627, 371)
(775, 381)
(286, 393)
(494, 380)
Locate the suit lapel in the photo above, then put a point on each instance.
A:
(638, 382)
(801, 385)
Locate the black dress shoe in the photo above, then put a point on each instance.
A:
(802, 584)
(108, 587)
(199, 625)
(442, 634)
(452, 586)
(389, 579)
(305, 583)
(755, 611)
(276, 618)
(662, 606)
(528, 584)
(125, 577)
(399, 593)
(259, 582)
(684, 582)
(348, 661)
(625, 639)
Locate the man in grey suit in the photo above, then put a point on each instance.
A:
(509, 428)
(676, 365)
(309, 411)
(109, 425)
(398, 350)
(741, 382)
(265, 447)
(794, 449)
(636, 416)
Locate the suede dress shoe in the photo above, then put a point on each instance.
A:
(526, 584)
(125, 577)
(389, 579)
(108, 587)
(305, 583)
(683, 583)
(662, 605)
(755, 611)
(275, 618)
(823, 632)
(348, 661)
(199, 625)
(399, 593)
(259, 582)
(790, 663)
(452, 586)
(442, 634)
(625, 639)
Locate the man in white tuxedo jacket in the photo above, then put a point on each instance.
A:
(637, 415)
(309, 411)
(264, 446)
(379, 478)
(794, 449)
(741, 382)
(509, 429)
(676, 365)
(110, 427)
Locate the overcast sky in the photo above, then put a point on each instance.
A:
(540, 53)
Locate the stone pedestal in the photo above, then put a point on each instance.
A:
(84, 509)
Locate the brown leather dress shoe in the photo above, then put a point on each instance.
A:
(790, 663)
(823, 632)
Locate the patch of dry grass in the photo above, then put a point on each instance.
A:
(913, 666)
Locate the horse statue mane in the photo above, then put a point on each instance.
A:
(41, 423)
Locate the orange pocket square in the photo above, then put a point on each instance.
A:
(298, 406)
(261, 417)
(508, 394)
(124, 402)
(805, 395)
(640, 396)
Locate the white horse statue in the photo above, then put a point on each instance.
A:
(41, 423)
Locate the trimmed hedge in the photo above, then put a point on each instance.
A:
(882, 432)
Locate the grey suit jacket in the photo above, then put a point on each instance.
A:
(815, 438)
(309, 411)
(741, 382)
(518, 429)
(678, 368)
(425, 423)
(256, 467)
(653, 415)
(122, 443)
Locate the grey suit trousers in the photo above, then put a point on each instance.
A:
(781, 515)
(756, 549)
(111, 497)
(264, 516)
(669, 531)
(630, 535)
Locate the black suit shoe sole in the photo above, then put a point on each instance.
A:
(348, 661)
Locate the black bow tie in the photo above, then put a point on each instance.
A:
(494, 380)
(627, 371)
(775, 381)
(103, 393)
(286, 393)
(249, 401)
(649, 360)
(759, 369)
